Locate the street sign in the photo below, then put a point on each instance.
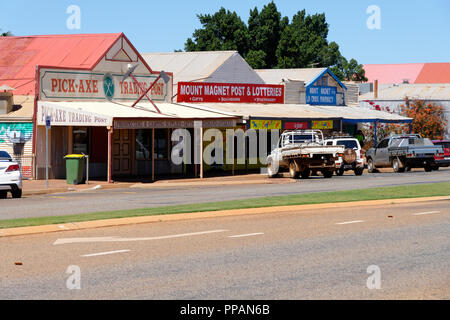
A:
(48, 122)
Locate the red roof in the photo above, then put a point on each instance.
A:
(414, 72)
(392, 73)
(19, 56)
(434, 73)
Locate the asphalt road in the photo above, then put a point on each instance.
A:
(322, 254)
(132, 198)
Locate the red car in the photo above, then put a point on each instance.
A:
(442, 160)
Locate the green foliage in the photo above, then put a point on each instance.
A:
(6, 34)
(223, 30)
(264, 30)
(349, 70)
(272, 41)
(257, 59)
(303, 43)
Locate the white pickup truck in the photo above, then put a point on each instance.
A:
(302, 151)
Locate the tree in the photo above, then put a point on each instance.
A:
(428, 118)
(6, 34)
(271, 41)
(264, 30)
(223, 30)
(303, 42)
(349, 70)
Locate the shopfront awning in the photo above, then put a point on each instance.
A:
(302, 111)
(272, 111)
(123, 116)
(361, 115)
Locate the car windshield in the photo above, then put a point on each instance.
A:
(411, 141)
(300, 138)
(349, 144)
(444, 144)
(5, 155)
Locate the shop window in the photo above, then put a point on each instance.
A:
(143, 144)
(161, 146)
(80, 140)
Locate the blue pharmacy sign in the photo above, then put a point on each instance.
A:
(321, 95)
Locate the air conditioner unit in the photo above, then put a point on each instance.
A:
(6, 102)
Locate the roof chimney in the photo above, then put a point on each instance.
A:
(375, 90)
(6, 99)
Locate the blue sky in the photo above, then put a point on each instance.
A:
(411, 31)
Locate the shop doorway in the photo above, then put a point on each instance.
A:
(122, 152)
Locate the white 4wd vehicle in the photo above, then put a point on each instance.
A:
(302, 151)
(351, 159)
(10, 176)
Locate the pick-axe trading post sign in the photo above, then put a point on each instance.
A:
(70, 85)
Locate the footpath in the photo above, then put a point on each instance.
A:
(38, 187)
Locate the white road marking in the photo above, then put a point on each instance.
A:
(246, 235)
(422, 213)
(119, 239)
(350, 222)
(104, 253)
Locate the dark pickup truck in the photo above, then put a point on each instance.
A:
(403, 152)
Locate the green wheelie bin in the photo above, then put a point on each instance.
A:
(74, 168)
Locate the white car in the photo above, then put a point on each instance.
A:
(352, 158)
(10, 176)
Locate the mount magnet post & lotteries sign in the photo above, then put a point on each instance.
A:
(229, 92)
(57, 84)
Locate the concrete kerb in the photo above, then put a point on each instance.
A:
(74, 189)
(156, 185)
(21, 231)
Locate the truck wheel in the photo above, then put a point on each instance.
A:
(370, 166)
(436, 167)
(396, 165)
(16, 194)
(359, 171)
(293, 172)
(270, 170)
(428, 168)
(305, 174)
(327, 173)
(340, 172)
(3, 194)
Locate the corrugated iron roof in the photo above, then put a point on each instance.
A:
(413, 72)
(275, 111)
(434, 73)
(188, 66)
(297, 111)
(412, 91)
(276, 76)
(19, 56)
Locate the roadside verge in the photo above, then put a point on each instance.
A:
(276, 204)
